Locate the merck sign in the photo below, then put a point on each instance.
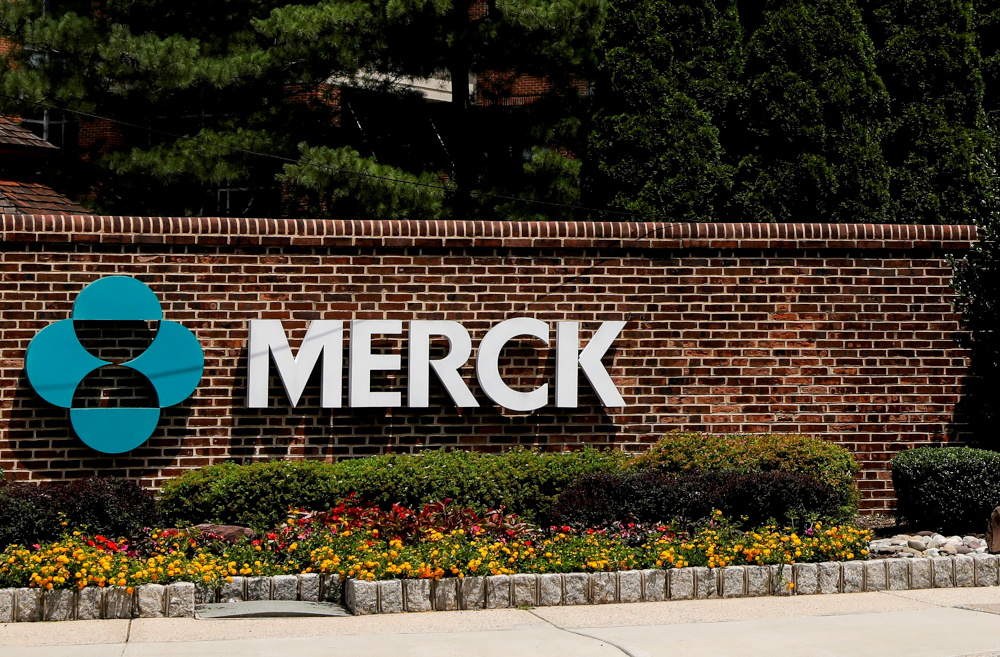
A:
(326, 338)
(57, 363)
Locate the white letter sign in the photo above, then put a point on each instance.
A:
(488, 366)
(364, 362)
(325, 338)
(267, 339)
(569, 356)
(459, 349)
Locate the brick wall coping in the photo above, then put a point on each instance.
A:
(221, 231)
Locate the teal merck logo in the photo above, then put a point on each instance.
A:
(57, 363)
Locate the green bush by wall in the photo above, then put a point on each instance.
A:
(684, 452)
(946, 488)
(259, 494)
(32, 513)
(647, 497)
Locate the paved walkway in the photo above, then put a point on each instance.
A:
(928, 623)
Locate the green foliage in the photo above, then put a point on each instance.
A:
(667, 80)
(330, 180)
(31, 513)
(813, 111)
(930, 62)
(259, 494)
(650, 497)
(684, 452)
(303, 83)
(795, 110)
(25, 520)
(987, 22)
(946, 488)
(550, 177)
(976, 281)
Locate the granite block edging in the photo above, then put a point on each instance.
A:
(178, 600)
(695, 583)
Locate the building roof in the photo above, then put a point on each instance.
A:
(14, 137)
(18, 197)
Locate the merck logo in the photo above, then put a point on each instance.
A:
(57, 363)
(171, 365)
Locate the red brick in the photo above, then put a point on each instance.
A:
(841, 331)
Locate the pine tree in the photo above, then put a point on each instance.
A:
(814, 109)
(932, 68)
(976, 281)
(667, 81)
(987, 26)
(977, 273)
(199, 88)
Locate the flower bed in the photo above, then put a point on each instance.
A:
(435, 542)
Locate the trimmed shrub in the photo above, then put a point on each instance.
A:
(27, 515)
(946, 488)
(31, 513)
(256, 495)
(651, 497)
(681, 452)
(259, 495)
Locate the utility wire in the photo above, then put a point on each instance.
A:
(235, 149)
(318, 165)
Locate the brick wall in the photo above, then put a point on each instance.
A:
(511, 89)
(100, 136)
(841, 331)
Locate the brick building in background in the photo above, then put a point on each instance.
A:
(367, 122)
(23, 161)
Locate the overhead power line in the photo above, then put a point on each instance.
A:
(317, 165)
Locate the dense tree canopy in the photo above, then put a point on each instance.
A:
(203, 88)
(936, 138)
(796, 110)
(812, 110)
(667, 90)
(704, 110)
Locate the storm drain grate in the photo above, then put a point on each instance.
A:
(269, 609)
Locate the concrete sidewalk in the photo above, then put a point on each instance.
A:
(928, 623)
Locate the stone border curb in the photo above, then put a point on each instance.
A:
(695, 583)
(178, 600)
(175, 600)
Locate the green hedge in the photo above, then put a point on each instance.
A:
(687, 452)
(258, 495)
(946, 488)
(749, 499)
(34, 513)
(526, 482)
